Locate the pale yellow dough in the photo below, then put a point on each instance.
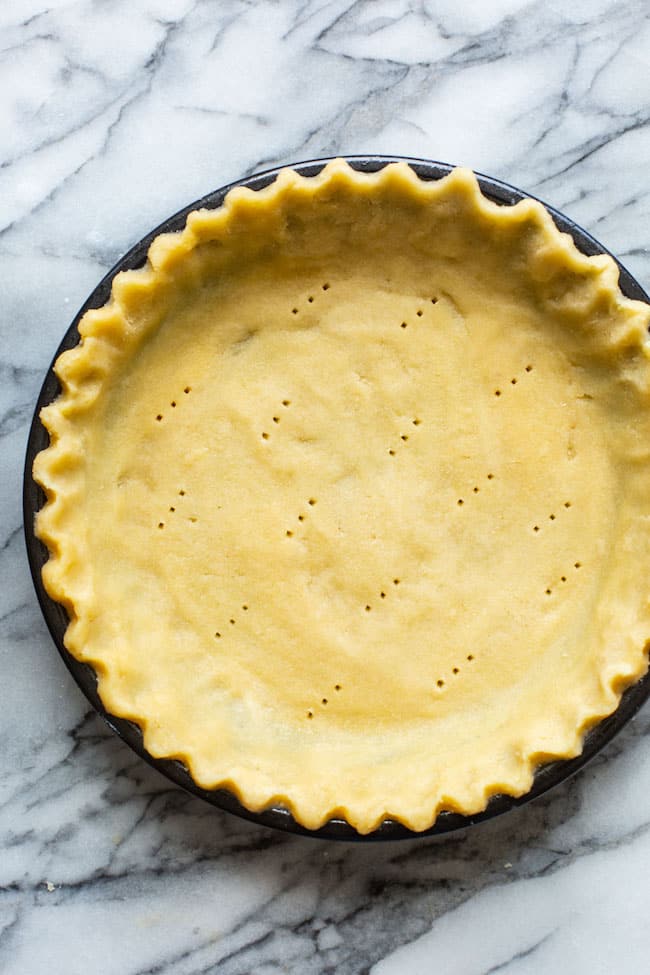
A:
(349, 495)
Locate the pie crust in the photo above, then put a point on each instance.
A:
(348, 495)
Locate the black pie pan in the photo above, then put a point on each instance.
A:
(546, 776)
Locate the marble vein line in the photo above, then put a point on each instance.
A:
(520, 955)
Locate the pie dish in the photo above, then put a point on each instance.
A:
(347, 496)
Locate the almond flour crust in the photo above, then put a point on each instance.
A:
(348, 495)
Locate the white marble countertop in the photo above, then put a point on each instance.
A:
(114, 115)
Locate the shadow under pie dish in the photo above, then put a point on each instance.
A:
(347, 496)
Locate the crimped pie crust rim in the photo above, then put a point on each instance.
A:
(164, 249)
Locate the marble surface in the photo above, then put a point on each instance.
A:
(112, 116)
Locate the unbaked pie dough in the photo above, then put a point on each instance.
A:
(348, 495)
